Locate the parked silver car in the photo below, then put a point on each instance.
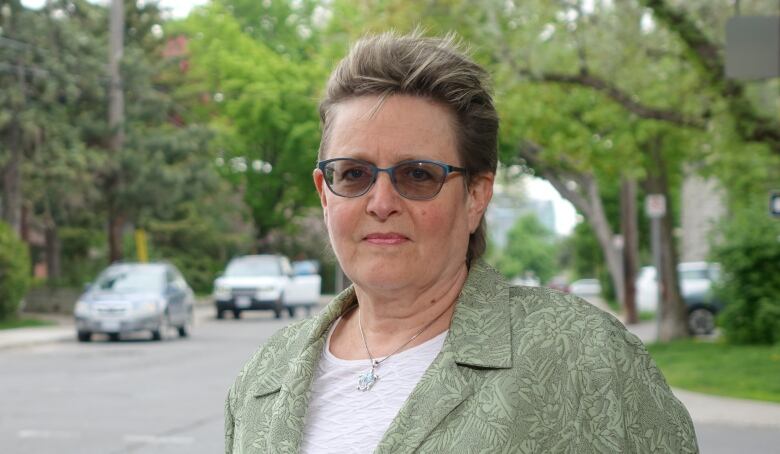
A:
(696, 280)
(131, 297)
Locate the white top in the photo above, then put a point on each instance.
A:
(342, 419)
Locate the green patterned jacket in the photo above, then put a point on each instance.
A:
(522, 370)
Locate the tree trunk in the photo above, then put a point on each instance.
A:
(53, 253)
(606, 238)
(116, 218)
(116, 223)
(12, 184)
(630, 231)
(672, 310)
(587, 200)
(12, 172)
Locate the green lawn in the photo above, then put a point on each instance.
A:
(23, 322)
(744, 371)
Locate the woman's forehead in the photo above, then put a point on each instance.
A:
(399, 128)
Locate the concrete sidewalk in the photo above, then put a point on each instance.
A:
(26, 337)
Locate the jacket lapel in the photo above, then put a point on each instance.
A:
(294, 379)
(479, 337)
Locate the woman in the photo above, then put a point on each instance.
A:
(431, 350)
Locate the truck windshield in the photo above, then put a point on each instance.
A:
(254, 267)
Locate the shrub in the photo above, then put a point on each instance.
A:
(14, 271)
(750, 258)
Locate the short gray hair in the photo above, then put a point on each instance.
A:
(431, 68)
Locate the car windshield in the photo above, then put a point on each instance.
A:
(303, 268)
(253, 267)
(694, 274)
(132, 279)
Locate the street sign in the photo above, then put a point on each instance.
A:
(774, 203)
(655, 205)
(753, 47)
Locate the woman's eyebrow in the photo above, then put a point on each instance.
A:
(363, 156)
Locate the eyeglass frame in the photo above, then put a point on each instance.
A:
(375, 170)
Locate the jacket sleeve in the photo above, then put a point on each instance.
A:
(652, 417)
(229, 423)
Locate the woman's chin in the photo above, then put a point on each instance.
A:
(383, 276)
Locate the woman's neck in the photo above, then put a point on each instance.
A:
(389, 320)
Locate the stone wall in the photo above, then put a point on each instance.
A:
(702, 207)
(51, 300)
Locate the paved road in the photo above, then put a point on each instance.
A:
(133, 396)
(139, 396)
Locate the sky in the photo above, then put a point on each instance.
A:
(565, 214)
(179, 8)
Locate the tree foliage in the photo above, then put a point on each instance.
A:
(262, 104)
(531, 249)
(750, 258)
(590, 94)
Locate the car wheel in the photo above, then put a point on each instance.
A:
(113, 337)
(84, 336)
(162, 331)
(279, 307)
(236, 313)
(186, 328)
(220, 314)
(701, 321)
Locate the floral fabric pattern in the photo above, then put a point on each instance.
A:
(522, 370)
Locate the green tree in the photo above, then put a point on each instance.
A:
(750, 258)
(531, 248)
(262, 105)
(705, 50)
(55, 102)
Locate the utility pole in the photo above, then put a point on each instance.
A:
(11, 172)
(116, 118)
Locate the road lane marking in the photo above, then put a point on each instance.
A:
(56, 434)
(156, 440)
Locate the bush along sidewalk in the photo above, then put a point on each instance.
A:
(14, 272)
(750, 259)
(24, 322)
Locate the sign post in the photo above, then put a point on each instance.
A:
(655, 208)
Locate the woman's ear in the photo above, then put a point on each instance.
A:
(319, 184)
(480, 192)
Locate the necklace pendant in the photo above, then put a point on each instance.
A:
(366, 380)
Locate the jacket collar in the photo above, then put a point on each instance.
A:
(302, 346)
(480, 332)
(480, 337)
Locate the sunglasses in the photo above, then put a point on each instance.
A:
(415, 180)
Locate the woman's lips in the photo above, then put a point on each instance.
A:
(385, 238)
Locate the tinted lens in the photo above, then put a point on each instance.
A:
(419, 180)
(348, 178)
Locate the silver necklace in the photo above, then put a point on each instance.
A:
(367, 379)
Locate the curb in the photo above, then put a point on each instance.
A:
(63, 332)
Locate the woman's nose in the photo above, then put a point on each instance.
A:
(383, 199)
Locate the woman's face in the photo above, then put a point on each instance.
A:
(382, 240)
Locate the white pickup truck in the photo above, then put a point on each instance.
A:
(267, 282)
